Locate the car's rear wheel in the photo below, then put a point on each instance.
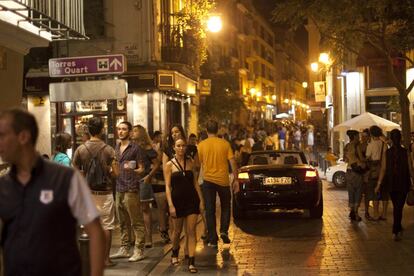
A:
(238, 211)
(317, 211)
(339, 180)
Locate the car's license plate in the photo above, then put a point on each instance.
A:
(277, 181)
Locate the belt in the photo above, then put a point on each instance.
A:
(101, 192)
(129, 191)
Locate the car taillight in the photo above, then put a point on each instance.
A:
(311, 175)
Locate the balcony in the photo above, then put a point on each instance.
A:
(51, 20)
(173, 45)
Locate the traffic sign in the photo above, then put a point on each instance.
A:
(87, 66)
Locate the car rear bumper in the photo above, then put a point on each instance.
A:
(289, 199)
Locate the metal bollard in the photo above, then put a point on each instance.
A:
(84, 251)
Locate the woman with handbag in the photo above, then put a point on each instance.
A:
(354, 174)
(395, 176)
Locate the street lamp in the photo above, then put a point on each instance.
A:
(214, 24)
(274, 97)
(314, 67)
(252, 91)
(324, 58)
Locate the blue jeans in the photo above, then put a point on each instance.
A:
(210, 191)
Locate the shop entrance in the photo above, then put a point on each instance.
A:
(72, 117)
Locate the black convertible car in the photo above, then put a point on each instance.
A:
(278, 180)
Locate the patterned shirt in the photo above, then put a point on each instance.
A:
(128, 180)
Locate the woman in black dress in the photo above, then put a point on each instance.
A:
(185, 200)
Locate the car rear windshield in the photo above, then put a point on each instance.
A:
(277, 158)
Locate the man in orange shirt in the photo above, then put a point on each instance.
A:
(215, 154)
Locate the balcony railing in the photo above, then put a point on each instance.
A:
(173, 45)
(63, 19)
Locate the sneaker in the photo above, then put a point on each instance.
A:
(225, 238)
(123, 252)
(138, 255)
(212, 244)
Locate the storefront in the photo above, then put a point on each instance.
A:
(157, 100)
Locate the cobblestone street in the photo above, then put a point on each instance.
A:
(292, 244)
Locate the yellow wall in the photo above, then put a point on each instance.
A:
(11, 78)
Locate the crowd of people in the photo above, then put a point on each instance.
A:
(378, 169)
(181, 175)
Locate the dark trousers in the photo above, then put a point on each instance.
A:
(398, 200)
(210, 191)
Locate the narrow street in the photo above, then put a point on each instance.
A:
(292, 244)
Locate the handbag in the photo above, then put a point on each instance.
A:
(410, 198)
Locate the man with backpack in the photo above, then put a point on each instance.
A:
(94, 159)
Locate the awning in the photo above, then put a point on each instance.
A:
(88, 90)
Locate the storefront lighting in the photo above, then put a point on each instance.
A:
(286, 101)
(304, 84)
(259, 94)
(294, 102)
(252, 91)
(274, 97)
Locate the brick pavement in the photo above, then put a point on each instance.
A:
(292, 244)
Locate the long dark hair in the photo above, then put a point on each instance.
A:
(170, 140)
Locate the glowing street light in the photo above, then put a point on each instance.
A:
(259, 94)
(314, 66)
(274, 97)
(304, 84)
(324, 58)
(252, 91)
(214, 24)
(286, 101)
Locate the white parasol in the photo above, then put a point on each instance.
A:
(366, 120)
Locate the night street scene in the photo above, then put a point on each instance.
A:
(209, 137)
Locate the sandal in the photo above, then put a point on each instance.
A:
(191, 266)
(174, 257)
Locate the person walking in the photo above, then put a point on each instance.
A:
(374, 153)
(94, 159)
(130, 168)
(354, 173)
(214, 155)
(282, 138)
(367, 187)
(63, 142)
(151, 165)
(185, 201)
(395, 179)
(41, 204)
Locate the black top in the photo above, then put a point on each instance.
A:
(397, 175)
(39, 234)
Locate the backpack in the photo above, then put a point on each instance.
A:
(95, 173)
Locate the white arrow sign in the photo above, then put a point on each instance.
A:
(115, 63)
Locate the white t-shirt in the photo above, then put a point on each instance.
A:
(374, 150)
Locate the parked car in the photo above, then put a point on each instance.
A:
(278, 180)
(336, 174)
